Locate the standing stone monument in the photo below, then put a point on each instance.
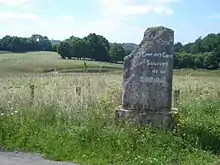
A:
(147, 79)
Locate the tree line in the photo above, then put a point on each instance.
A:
(24, 44)
(94, 47)
(203, 53)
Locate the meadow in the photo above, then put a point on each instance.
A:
(71, 116)
(41, 62)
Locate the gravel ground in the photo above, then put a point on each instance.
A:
(20, 158)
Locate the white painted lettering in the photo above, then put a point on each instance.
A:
(164, 55)
(152, 79)
(158, 71)
(149, 63)
(162, 71)
(154, 71)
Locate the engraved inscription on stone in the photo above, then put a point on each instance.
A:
(148, 72)
(159, 66)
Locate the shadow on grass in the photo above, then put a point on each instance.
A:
(201, 138)
(201, 127)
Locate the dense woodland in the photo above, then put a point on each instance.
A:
(203, 53)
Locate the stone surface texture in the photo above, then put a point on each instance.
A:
(148, 75)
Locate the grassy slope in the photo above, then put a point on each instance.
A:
(47, 61)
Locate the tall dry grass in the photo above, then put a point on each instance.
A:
(61, 88)
(66, 125)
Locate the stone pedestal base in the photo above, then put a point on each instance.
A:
(158, 119)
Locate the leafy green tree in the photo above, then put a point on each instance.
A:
(45, 44)
(178, 47)
(210, 42)
(117, 52)
(14, 44)
(176, 61)
(99, 47)
(197, 46)
(216, 53)
(54, 48)
(1, 45)
(6, 42)
(80, 48)
(32, 44)
(210, 61)
(186, 60)
(204, 52)
(187, 48)
(42, 43)
(21, 44)
(199, 61)
(64, 49)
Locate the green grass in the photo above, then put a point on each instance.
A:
(197, 73)
(63, 125)
(37, 62)
(91, 137)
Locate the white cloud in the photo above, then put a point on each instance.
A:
(114, 30)
(26, 24)
(131, 7)
(13, 2)
(169, 1)
(9, 16)
(110, 25)
(214, 16)
(62, 27)
(18, 5)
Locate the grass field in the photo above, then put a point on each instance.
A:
(65, 124)
(38, 62)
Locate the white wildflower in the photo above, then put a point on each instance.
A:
(155, 159)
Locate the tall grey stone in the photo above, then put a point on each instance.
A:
(147, 79)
